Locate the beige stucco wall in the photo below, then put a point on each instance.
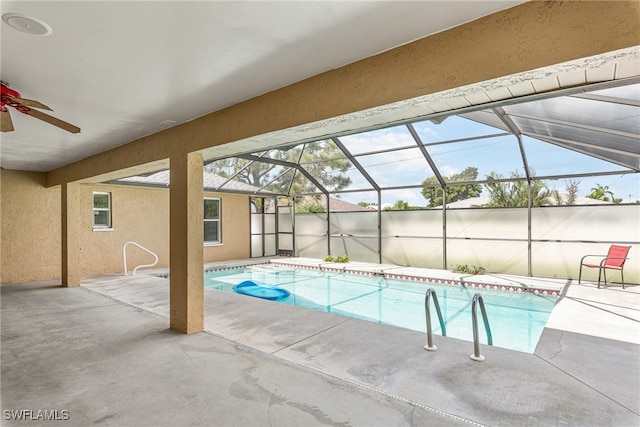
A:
(142, 215)
(235, 229)
(138, 214)
(31, 228)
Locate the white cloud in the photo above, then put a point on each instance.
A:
(447, 170)
(391, 168)
(376, 140)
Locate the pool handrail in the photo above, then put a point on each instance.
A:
(477, 298)
(427, 311)
(124, 257)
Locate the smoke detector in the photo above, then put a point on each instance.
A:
(27, 24)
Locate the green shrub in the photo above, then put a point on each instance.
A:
(329, 258)
(468, 269)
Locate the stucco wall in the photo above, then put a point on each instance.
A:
(235, 229)
(142, 215)
(137, 214)
(31, 228)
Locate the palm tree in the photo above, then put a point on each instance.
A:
(602, 193)
(516, 193)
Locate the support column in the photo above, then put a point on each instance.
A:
(186, 241)
(70, 210)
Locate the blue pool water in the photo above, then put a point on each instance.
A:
(516, 319)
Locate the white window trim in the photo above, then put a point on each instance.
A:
(218, 220)
(108, 227)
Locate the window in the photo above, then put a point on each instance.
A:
(212, 221)
(101, 211)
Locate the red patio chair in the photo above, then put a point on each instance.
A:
(614, 260)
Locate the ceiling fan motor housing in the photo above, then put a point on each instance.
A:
(5, 98)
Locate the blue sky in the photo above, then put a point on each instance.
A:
(500, 154)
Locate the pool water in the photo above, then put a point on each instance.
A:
(516, 319)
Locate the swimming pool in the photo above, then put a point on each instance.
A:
(516, 318)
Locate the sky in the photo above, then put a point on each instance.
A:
(392, 157)
(499, 154)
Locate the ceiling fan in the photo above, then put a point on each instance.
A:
(11, 98)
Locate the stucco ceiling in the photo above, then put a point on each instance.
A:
(123, 70)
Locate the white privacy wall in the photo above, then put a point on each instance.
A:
(563, 235)
(355, 234)
(412, 238)
(311, 235)
(497, 239)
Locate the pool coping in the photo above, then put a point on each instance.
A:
(506, 283)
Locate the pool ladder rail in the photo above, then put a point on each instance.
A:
(477, 299)
(431, 294)
(124, 257)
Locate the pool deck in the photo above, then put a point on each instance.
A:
(104, 352)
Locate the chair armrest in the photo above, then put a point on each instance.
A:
(586, 256)
(611, 257)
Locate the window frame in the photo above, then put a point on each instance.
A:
(108, 209)
(217, 220)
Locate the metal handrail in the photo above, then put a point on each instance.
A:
(427, 312)
(124, 257)
(474, 318)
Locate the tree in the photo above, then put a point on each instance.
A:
(516, 193)
(312, 204)
(602, 193)
(399, 205)
(454, 192)
(322, 159)
(366, 204)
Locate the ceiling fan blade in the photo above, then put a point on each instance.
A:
(29, 103)
(6, 125)
(53, 121)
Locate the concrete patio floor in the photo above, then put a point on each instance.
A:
(104, 353)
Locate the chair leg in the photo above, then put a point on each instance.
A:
(622, 275)
(600, 275)
(580, 274)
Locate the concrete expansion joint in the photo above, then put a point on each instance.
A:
(394, 397)
(310, 336)
(583, 382)
(136, 307)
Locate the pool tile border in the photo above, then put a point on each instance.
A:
(491, 286)
(231, 267)
(400, 276)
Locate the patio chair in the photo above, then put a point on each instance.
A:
(614, 260)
